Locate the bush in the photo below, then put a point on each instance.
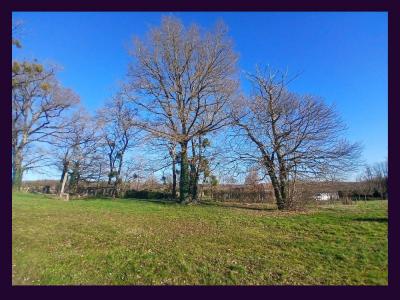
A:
(244, 194)
(147, 194)
(301, 199)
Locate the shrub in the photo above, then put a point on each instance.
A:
(146, 194)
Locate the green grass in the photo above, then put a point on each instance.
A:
(140, 242)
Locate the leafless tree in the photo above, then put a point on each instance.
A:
(86, 165)
(167, 157)
(252, 179)
(16, 32)
(76, 151)
(375, 178)
(119, 134)
(291, 136)
(38, 105)
(136, 171)
(367, 180)
(381, 173)
(201, 162)
(171, 146)
(231, 180)
(363, 187)
(181, 80)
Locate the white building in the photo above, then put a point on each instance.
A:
(326, 196)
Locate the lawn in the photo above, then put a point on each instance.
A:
(122, 242)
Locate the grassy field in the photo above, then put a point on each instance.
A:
(142, 242)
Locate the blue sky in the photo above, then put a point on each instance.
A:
(342, 56)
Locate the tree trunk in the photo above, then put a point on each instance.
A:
(64, 180)
(278, 187)
(195, 187)
(382, 194)
(74, 179)
(17, 172)
(118, 179)
(174, 178)
(184, 178)
(194, 182)
(117, 187)
(192, 178)
(280, 200)
(63, 175)
(284, 196)
(194, 170)
(17, 176)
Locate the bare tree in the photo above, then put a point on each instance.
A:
(86, 164)
(135, 171)
(167, 157)
(291, 136)
(363, 187)
(119, 134)
(200, 163)
(76, 151)
(38, 104)
(252, 179)
(16, 31)
(368, 180)
(231, 180)
(182, 79)
(173, 155)
(374, 178)
(381, 174)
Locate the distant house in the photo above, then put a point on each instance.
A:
(326, 196)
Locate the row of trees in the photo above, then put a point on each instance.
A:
(182, 90)
(94, 148)
(373, 181)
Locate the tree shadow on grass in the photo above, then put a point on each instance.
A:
(104, 198)
(379, 220)
(236, 205)
(174, 202)
(204, 203)
(159, 201)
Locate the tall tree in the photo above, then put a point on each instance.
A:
(291, 136)
(76, 151)
(119, 135)
(381, 174)
(171, 157)
(199, 164)
(252, 178)
(374, 178)
(38, 105)
(182, 79)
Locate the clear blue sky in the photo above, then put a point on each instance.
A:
(342, 56)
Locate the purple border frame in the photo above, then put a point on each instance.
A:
(325, 292)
